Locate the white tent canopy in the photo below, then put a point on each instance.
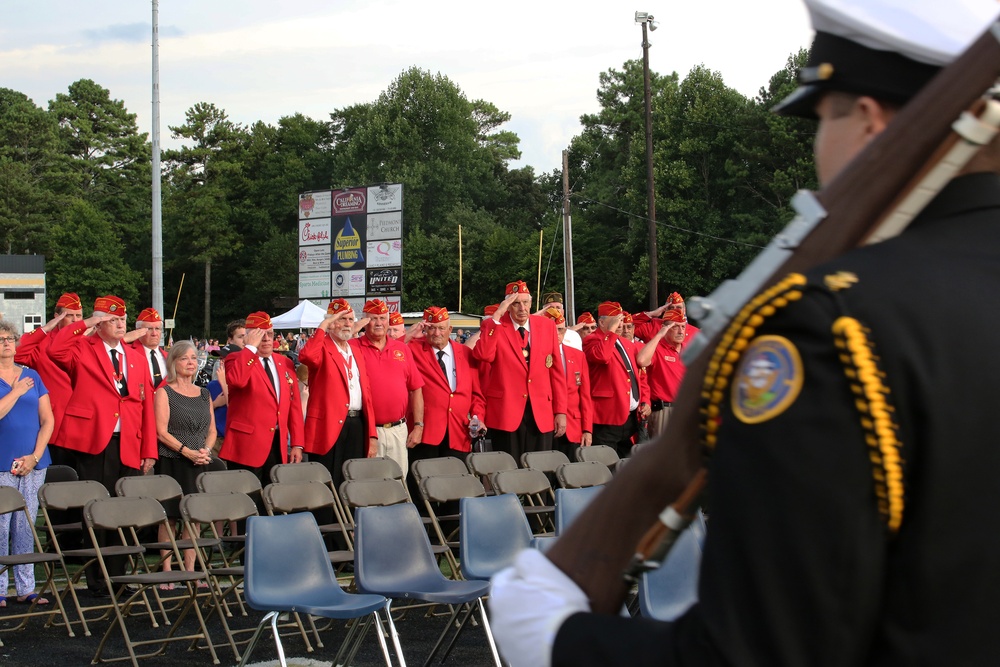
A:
(306, 315)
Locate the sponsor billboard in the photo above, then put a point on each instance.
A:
(385, 253)
(383, 281)
(350, 244)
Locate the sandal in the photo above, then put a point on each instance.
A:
(32, 598)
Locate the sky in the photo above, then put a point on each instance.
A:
(261, 59)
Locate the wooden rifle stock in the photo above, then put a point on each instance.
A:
(597, 548)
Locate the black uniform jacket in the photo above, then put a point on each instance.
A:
(855, 491)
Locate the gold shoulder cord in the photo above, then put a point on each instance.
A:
(872, 401)
(739, 334)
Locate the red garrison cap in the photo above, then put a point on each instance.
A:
(149, 315)
(259, 320)
(375, 307)
(112, 305)
(69, 301)
(435, 315)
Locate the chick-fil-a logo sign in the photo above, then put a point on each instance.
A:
(314, 231)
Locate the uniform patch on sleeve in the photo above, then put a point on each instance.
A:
(767, 381)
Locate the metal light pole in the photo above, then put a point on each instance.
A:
(647, 19)
(157, 221)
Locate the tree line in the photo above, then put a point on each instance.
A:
(75, 186)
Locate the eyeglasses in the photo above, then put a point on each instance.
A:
(7, 340)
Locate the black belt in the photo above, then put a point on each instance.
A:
(395, 423)
(354, 413)
(656, 404)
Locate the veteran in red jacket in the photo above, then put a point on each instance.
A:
(579, 406)
(340, 419)
(621, 400)
(526, 394)
(265, 411)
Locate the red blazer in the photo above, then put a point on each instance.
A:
(445, 410)
(580, 407)
(513, 381)
(329, 394)
(611, 387)
(95, 405)
(33, 352)
(255, 411)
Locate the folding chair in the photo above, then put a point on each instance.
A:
(535, 493)
(61, 499)
(125, 517)
(291, 497)
(441, 489)
(394, 559)
(546, 461)
(600, 453)
(569, 504)
(492, 532)
(666, 592)
(377, 467)
(485, 464)
(312, 471)
(60, 473)
(13, 506)
(583, 474)
(309, 588)
(445, 465)
(232, 481)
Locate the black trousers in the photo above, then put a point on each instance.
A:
(619, 437)
(527, 437)
(107, 468)
(352, 443)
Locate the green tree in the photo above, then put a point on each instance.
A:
(88, 258)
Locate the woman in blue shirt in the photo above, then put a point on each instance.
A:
(25, 429)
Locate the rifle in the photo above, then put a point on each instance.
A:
(857, 206)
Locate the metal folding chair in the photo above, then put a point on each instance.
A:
(582, 474)
(535, 493)
(312, 471)
(394, 559)
(486, 464)
(13, 506)
(124, 517)
(291, 497)
(440, 489)
(309, 588)
(546, 461)
(600, 453)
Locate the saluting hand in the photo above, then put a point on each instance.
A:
(254, 337)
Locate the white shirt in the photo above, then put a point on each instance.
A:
(449, 363)
(122, 364)
(353, 377)
(161, 363)
(633, 402)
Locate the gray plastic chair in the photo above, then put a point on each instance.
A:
(583, 474)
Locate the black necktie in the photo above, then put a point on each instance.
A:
(267, 369)
(157, 378)
(119, 376)
(628, 368)
(526, 349)
(444, 369)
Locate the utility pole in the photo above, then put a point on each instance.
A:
(157, 222)
(570, 305)
(646, 19)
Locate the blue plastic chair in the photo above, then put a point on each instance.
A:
(492, 530)
(666, 592)
(393, 558)
(569, 504)
(310, 587)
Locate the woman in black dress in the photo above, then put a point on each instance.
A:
(185, 428)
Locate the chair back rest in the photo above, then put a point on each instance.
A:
(377, 467)
(61, 473)
(70, 495)
(546, 461)
(492, 530)
(160, 487)
(372, 492)
(569, 504)
(11, 500)
(485, 464)
(290, 497)
(268, 580)
(521, 481)
(668, 591)
(442, 488)
(219, 481)
(445, 465)
(311, 471)
(209, 507)
(392, 551)
(600, 453)
(583, 474)
(114, 513)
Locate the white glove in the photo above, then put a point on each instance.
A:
(528, 603)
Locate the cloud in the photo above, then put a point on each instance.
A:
(129, 32)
